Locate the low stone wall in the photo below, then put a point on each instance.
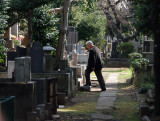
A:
(63, 80)
(117, 62)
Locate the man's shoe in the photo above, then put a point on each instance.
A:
(103, 90)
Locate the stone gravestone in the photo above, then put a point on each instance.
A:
(22, 69)
(79, 45)
(14, 29)
(63, 64)
(11, 56)
(25, 97)
(11, 62)
(71, 38)
(146, 46)
(114, 53)
(11, 67)
(48, 59)
(21, 51)
(37, 58)
(27, 70)
(74, 55)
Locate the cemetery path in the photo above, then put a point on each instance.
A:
(111, 105)
(107, 98)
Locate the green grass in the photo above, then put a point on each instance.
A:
(126, 110)
(125, 76)
(86, 108)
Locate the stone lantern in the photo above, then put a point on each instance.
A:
(48, 58)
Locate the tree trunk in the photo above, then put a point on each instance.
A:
(30, 31)
(156, 30)
(63, 31)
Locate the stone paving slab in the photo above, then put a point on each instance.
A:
(108, 94)
(101, 116)
(107, 98)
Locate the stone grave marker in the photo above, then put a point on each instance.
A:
(24, 97)
(21, 51)
(11, 56)
(22, 69)
(14, 29)
(37, 58)
(11, 67)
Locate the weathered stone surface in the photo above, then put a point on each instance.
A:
(11, 56)
(48, 63)
(11, 67)
(37, 58)
(41, 90)
(108, 94)
(101, 116)
(83, 58)
(27, 69)
(21, 51)
(61, 98)
(78, 71)
(19, 69)
(24, 97)
(42, 111)
(23, 69)
(105, 102)
(63, 64)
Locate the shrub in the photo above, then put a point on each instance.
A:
(138, 63)
(135, 55)
(125, 49)
(145, 81)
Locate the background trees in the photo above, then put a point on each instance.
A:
(45, 26)
(3, 24)
(89, 21)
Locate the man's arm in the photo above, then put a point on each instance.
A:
(92, 60)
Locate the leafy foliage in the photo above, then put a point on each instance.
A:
(3, 21)
(3, 50)
(3, 17)
(138, 63)
(44, 26)
(125, 49)
(135, 55)
(142, 11)
(88, 20)
(24, 5)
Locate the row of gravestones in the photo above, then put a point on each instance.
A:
(29, 93)
(69, 78)
(32, 98)
(36, 53)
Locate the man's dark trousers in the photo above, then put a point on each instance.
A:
(99, 77)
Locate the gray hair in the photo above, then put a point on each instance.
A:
(89, 42)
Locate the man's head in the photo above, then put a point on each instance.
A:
(89, 44)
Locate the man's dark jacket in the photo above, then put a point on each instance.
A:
(94, 60)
